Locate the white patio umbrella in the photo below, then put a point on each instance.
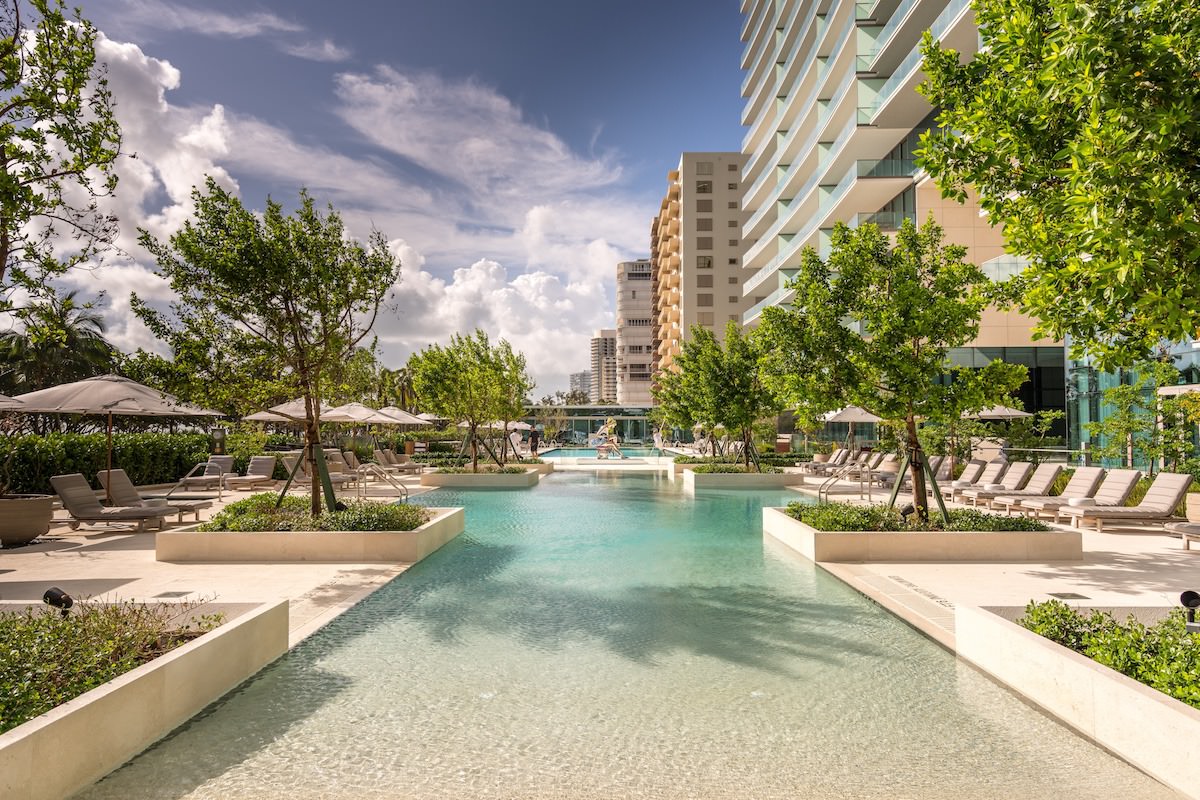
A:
(109, 395)
(998, 412)
(291, 411)
(403, 417)
(10, 403)
(358, 413)
(851, 414)
(429, 417)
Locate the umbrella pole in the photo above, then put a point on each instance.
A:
(108, 481)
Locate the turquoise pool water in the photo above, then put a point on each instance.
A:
(590, 452)
(607, 637)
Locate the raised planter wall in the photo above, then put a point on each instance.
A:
(319, 546)
(1150, 730)
(483, 480)
(888, 546)
(81, 741)
(693, 480)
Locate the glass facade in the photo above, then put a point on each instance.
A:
(577, 423)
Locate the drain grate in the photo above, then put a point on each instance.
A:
(172, 594)
(1069, 596)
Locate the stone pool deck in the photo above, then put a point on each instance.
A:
(1133, 567)
(110, 563)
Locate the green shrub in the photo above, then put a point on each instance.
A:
(490, 469)
(146, 457)
(258, 513)
(49, 659)
(1163, 656)
(775, 459)
(710, 469)
(848, 517)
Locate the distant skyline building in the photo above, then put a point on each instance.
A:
(696, 252)
(833, 119)
(635, 334)
(604, 366)
(581, 382)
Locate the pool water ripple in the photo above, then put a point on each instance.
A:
(607, 637)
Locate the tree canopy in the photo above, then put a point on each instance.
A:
(1076, 126)
(58, 142)
(873, 325)
(291, 296)
(61, 340)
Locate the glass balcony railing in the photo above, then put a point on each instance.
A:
(1004, 267)
(773, 299)
(887, 221)
(885, 35)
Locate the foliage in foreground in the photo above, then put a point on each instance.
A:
(847, 517)
(714, 468)
(147, 457)
(49, 659)
(258, 513)
(1164, 656)
(488, 470)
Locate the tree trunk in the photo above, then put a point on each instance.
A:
(746, 435)
(312, 440)
(474, 449)
(917, 470)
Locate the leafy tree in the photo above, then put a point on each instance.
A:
(714, 385)
(1129, 431)
(58, 142)
(965, 391)
(514, 384)
(470, 381)
(294, 291)
(61, 340)
(1075, 125)
(873, 327)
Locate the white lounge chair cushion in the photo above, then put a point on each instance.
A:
(1081, 501)
(994, 487)
(961, 484)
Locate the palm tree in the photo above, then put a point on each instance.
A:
(60, 340)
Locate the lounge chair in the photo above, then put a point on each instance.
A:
(402, 463)
(836, 460)
(209, 474)
(1159, 504)
(990, 473)
(1039, 483)
(338, 479)
(1082, 484)
(1113, 492)
(260, 472)
(81, 503)
(125, 494)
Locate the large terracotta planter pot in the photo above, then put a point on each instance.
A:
(24, 517)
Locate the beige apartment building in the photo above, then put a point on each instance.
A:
(696, 252)
(833, 120)
(635, 334)
(604, 366)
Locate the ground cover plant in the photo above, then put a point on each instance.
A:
(50, 659)
(259, 513)
(1163, 656)
(489, 470)
(847, 517)
(711, 469)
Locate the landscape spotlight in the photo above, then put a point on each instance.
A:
(56, 597)
(1191, 601)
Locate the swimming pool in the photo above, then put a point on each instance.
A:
(590, 452)
(605, 636)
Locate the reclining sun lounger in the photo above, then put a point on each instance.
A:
(1159, 504)
(400, 463)
(260, 472)
(1113, 492)
(1039, 483)
(82, 504)
(990, 473)
(1082, 484)
(338, 479)
(125, 494)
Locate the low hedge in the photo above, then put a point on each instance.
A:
(1163, 656)
(713, 469)
(775, 459)
(258, 513)
(491, 469)
(145, 457)
(50, 659)
(848, 517)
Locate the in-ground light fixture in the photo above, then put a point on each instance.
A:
(56, 597)
(1191, 601)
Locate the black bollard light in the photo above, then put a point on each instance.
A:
(1191, 601)
(56, 597)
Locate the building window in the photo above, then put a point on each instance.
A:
(703, 262)
(733, 262)
(733, 242)
(704, 205)
(733, 279)
(704, 281)
(633, 295)
(734, 318)
(733, 186)
(704, 224)
(704, 243)
(733, 204)
(733, 223)
(704, 300)
(705, 318)
(703, 187)
(704, 168)
(733, 298)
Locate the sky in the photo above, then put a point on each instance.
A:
(511, 151)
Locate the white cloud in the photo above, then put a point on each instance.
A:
(140, 15)
(324, 50)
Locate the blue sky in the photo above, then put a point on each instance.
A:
(512, 150)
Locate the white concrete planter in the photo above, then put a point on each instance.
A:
(24, 517)
(483, 480)
(358, 547)
(889, 546)
(545, 468)
(739, 480)
(1150, 730)
(81, 741)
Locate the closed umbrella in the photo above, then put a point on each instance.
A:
(110, 395)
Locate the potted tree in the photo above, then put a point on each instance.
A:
(23, 517)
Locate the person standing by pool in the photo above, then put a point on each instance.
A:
(534, 437)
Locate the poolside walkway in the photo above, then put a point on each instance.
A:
(1122, 568)
(108, 563)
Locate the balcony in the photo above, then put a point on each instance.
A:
(779, 297)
